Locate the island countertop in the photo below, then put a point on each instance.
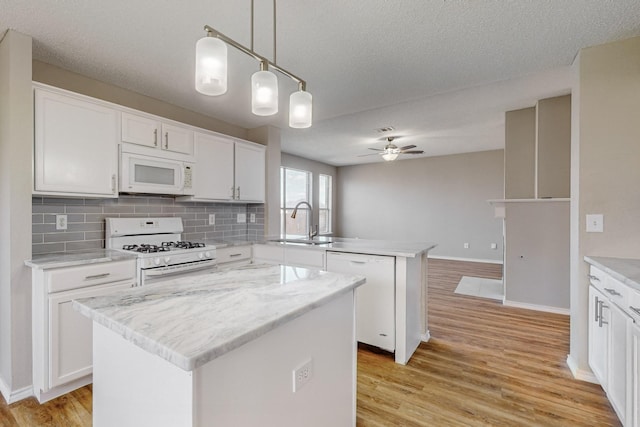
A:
(192, 320)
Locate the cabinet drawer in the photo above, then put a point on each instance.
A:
(304, 257)
(598, 278)
(633, 303)
(233, 254)
(617, 292)
(90, 275)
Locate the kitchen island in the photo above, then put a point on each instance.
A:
(257, 345)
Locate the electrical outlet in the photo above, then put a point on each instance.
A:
(595, 223)
(212, 219)
(302, 375)
(466, 246)
(494, 246)
(242, 218)
(252, 217)
(61, 222)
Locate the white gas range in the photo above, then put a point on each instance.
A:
(158, 245)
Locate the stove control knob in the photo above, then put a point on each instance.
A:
(200, 255)
(207, 254)
(167, 259)
(156, 261)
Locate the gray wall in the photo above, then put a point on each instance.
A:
(86, 226)
(289, 160)
(605, 153)
(16, 151)
(438, 199)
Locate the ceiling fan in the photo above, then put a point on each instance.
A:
(391, 151)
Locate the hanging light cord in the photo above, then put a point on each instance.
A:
(274, 31)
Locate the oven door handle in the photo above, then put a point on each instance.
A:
(180, 268)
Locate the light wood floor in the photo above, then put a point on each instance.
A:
(485, 365)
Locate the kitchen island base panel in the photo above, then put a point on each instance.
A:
(251, 385)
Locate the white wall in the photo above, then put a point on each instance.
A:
(270, 136)
(16, 149)
(316, 168)
(605, 173)
(437, 199)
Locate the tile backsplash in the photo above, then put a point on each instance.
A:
(85, 218)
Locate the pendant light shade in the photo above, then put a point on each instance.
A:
(211, 66)
(264, 93)
(300, 109)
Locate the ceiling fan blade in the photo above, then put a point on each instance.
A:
(370, 154)
(412, 152)
(407, 147)
(376, 149)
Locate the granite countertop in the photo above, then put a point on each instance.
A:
(192, 320)
(71, 259)
(625, 270)
(363, 246)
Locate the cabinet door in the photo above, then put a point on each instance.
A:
(76, 146)
(140, 130)
(598, 335)
(633, 366)
(249, 172)
(375, 300)
(617, 361)
(304, 257)
(273, 254)
(70, 334)
(213, 174)
(177, 139)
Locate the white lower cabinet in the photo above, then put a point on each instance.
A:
(61, 337)
(617, 359)
(375, 300)
(633, 366)
(598, 335)
(233, 255)
(289, 255)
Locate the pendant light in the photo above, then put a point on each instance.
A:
(300, 109)
(211, 66)
(211, 76)
(264, 92)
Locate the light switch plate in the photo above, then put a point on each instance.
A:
(242, 218)
(212, 219)
(252, 217)
(595, 223)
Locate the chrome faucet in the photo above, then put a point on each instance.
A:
(312, 233)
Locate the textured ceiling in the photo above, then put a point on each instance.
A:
(442, 72)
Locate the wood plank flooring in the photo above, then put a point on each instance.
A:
(485, 365)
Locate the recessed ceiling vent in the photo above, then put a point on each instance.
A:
(385, 129)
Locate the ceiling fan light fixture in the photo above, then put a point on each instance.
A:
(300, 109)
(264, 93)
(211, 66)
(390, 156)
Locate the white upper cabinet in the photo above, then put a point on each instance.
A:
(249, 172)
(76, 146)
(213, 175)
(151, 132)
(228, 170)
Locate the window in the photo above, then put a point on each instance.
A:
(324, 203)
(295, 187)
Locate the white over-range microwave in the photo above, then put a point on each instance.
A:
(142, 173)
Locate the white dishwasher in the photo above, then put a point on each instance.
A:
(375, 300)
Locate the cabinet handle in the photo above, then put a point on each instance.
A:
(602, 322)
(234, 255)
(594, 278)
(238, 193)
(358, 262)
(97, 276)
(155, 137)
(635, 310)
(233, 193)
(113, 183)
(596, 310)
(613, 292)
(166, 139)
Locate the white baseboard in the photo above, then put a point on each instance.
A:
(545, 308)
(453, 258)
(580, 374)
(15, 395)
(426, 337)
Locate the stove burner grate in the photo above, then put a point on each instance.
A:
(183, 245)
(145, 248)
